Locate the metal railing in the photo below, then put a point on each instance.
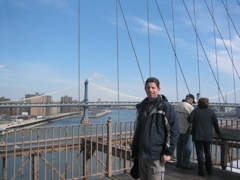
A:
(85, 151)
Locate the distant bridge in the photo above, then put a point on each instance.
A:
(81, 104)
(41, 101)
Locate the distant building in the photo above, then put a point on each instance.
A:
(75, 109)
(64, 100)
(11, 111)
(6, 111)
(39, 98)
(55, 110)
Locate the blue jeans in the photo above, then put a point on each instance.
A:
(184, 149)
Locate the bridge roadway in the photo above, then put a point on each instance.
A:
(82, 104)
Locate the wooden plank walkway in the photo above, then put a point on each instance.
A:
(174, 173)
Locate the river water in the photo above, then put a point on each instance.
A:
(116, 116)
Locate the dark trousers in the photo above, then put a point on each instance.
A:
(203, 146)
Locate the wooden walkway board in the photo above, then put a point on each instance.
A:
(174, 173)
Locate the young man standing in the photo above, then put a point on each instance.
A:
(156, 132)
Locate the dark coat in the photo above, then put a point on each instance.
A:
(203, 120)
(156, 131)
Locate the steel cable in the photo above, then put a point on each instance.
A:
(203, 49)
(131, 40)
(172, 45)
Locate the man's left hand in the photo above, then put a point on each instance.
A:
(165, 159)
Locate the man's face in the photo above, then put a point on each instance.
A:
(190, 101)
(152, 90)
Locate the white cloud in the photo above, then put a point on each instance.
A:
(96, 75)
(143, 25)
(227, 57)
(3, 69)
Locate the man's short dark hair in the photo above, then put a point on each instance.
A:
(152, 79)
(190, 96)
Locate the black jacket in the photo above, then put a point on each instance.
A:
(203, 120)
(156, 131)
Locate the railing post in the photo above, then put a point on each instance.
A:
(109, 146)
(4, 169)
(238, 112)
(224, 150)
(35, 174)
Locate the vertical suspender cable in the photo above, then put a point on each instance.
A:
(231, 53)
(199, 77)
(117, 58)
(216, 55)
(174, 46)
(234, 88)
(79, 53)
(149, 44)
(230, 38)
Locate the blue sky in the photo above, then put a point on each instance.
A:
(39, 47)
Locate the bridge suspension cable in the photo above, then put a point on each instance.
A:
(227, 93)
(175, 54)
(149, 44)
(197, 49)
(203, 48)
(114, 92)
(174, 46)
(43, 95)
(135, 54)
(117, 51)
(79, 49)
(220, 34)
(216, 52)
(229, 16)
(230, 37)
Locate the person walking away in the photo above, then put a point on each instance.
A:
(184, 146)
(203, 119)
(156, 132)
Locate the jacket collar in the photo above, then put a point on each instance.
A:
(159, 100)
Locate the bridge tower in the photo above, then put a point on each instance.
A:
(85, 119)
